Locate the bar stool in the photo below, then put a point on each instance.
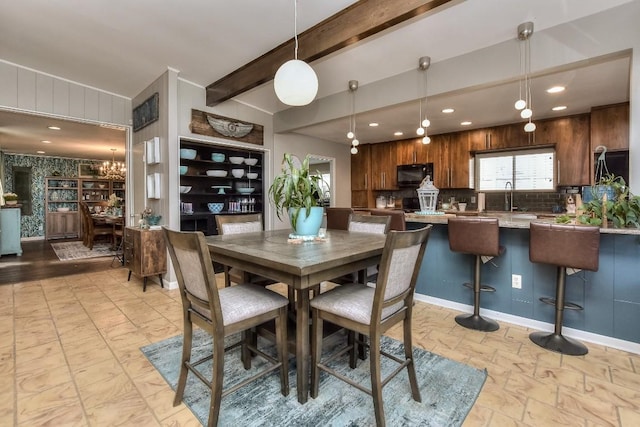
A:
(479, 237)
(565, 246)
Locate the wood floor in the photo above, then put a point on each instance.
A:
(69, 356)
(38, 261)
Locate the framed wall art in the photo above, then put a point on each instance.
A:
(87, 170)
(146, 113)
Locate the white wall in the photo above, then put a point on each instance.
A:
(30, 90)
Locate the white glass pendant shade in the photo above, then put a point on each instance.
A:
(526, 113)
(355, 142)
(420, 131)
(426, 140)
(426, 123)
(350, 135)
(530, 127)
(520, 104)
(295, 83)
(354, 150)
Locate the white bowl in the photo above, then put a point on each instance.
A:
(63, 209)
(216, 173)
(238, 173)
(185, 188)
(252, 175)
(236, 160)
(246, 190)
(251, 162)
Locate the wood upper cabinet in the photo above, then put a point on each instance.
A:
(571, 138)
(610, 127)
(413, 151)
(360, 168)
(440, 149)
(383, 166)
(459, 159)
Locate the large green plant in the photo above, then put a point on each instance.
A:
(623, 210)
(295, 187)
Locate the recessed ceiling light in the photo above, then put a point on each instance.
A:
(448, 110)
(555, 89)
(465, 123)
(46, 141)
(373, 124)
(559, 108)
(53, 127)
(40, 152)
(398, 133)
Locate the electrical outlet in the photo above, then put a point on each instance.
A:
(516, 281)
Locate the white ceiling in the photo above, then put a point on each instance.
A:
(121, 47)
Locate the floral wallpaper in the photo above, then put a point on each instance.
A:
(34, 225)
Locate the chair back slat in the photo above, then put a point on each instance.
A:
(369, 224)
(194, 272)
(235, 224)
(399, 268)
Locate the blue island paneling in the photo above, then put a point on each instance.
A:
(610, 296)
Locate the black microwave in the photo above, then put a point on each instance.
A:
(412, 175)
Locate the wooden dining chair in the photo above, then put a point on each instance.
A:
(91, 229)
(338, 218)
(371, 312)
(398, 222)
(234, 224)
(222, 313)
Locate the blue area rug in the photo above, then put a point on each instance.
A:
(448, 389)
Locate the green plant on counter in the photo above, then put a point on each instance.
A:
(563, 219)
(623, 210)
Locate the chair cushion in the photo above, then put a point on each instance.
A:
(245, 301)
(241, 227)
(353, 301)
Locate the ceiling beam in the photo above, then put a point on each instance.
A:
(359, 21)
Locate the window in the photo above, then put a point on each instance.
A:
(531, 169)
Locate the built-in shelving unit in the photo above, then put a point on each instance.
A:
(238, 186)
(63, 196)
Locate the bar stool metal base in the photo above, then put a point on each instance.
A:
(558, 343)
(477, 322)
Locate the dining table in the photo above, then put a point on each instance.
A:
(302, 266)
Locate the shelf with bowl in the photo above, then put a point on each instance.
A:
(214, 174)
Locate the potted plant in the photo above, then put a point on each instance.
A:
(298, 192)
(622, 210)
(10, 198)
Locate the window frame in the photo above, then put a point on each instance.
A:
(513, 152)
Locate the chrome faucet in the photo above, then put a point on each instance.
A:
(508, 201)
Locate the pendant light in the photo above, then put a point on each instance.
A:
(524, 104)
(295, 83)
(353, 87)
(423, 64)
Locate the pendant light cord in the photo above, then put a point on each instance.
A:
(295, 27)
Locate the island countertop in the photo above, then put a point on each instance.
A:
(509, 220)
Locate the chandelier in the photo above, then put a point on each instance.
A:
(113, 169)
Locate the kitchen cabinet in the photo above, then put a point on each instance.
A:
(459, 161)
(413, 151)
(212, 177)
(361, 177)
(383, 166)
(61, 208)
(10, 231)
(145, 253)
(497, 137)
(610, 127)
(441, 168)
(571, 138)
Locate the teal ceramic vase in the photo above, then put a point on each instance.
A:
(307, 225)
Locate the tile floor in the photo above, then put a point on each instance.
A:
(69, 356)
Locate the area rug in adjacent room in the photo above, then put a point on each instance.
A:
(448, 389)
(69, 251)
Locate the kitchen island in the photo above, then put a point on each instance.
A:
(610, 296)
